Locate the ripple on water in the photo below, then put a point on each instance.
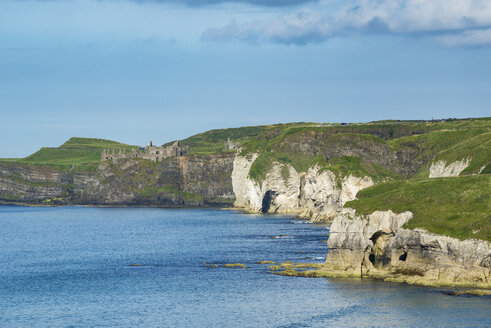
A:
(73, 266)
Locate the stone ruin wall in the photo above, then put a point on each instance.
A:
(230, 145)
(150, 152)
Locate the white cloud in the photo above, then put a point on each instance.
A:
(471, 38)
(400, 17)
(419, 15)
(301, 27)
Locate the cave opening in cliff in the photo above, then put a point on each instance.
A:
(268, 197)
(403, 257)
(371, 257)
(376, 255)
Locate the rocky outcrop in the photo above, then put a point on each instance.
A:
(324, 194)
(177, 181)
(440, 169)
(377, 245)
(316, 194)
(278, 193)
(241, 184)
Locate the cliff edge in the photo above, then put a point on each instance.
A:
(408, 200)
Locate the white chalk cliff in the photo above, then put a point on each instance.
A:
(377, 245)
(315, 194)
(374, 245)
(440, 169)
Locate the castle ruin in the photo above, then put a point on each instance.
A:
(150, 152)
(230, 145)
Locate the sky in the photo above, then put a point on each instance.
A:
(160, 70)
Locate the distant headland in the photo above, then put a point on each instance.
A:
(406, 200)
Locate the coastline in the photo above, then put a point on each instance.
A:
(387, 277)
(218, 207)
(321, 271)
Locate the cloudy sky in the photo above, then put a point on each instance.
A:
(139, 70)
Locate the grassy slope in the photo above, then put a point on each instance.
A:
(478, 148)
(271, 138)
(276, 149)
(458, 207)
(75, 151)
(92, 143)
(465, 141)
(449, 141)
(213, 141)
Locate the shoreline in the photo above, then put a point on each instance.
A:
(321, 272)
(385, 277)
(2, 203)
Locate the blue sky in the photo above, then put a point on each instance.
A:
(139, 70)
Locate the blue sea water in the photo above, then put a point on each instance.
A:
(70, 267)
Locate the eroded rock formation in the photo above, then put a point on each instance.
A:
(316, 194)
(377, 245)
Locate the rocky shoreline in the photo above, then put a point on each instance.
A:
(373, 246)
(378, 246)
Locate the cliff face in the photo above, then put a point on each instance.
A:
(311, 171)
(405, 161)
(440, 169)
(316, 194)
(377, 246)
(33, 184)
(177, 181)
(374, 245)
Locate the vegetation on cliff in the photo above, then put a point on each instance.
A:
(74, 174)
(343, 148)
(75, 151)
(458, 207)
(381, 150)
(395, 154)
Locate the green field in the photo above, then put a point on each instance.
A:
(213, 141)
(273, 143)
(447, 141)
(75, 151)
(458, 207)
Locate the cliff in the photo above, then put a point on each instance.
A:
(179, 181)
(408, 201)
(315, 194)
(377, 245)
(437, 181)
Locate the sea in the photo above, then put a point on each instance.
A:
(153, 267)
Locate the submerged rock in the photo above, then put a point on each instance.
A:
(234, 265)
(211, 266)
(266, 262)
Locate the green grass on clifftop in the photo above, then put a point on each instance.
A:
(75, 151)
(93, 143)
(63, 156)
(458, 207)
(302, 145)
(213, 141)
